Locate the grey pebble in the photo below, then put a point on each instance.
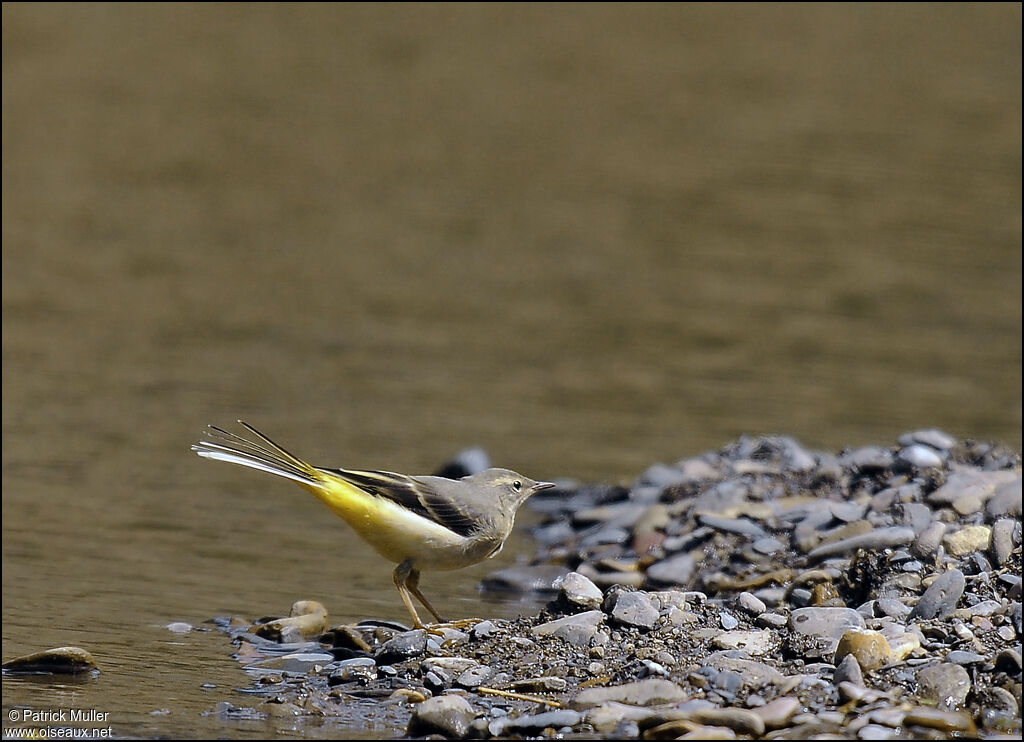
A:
(676, 570)
(740, 526)
(868, 458)
(894, 608)
(577, 630)
(580, 590)
(450, 715)
(1005, 501)
(533, 723)
(880, 538)
(917, 515)
(935, 438)
(774, 620)
(751, 604)
(947, 684)
(753, 674)
(728, 621)
(768, 545)
(847, 511)
(825, 625)
(402, 647)
(961, 657)
(474, 677)
(646, 692)
(921, 457)
(1003, 532)
(538, 579)
(928, 541)
(971, 482)
(631, 609)
(848, 671)
(941, 598)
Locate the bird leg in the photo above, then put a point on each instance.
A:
(407, 581)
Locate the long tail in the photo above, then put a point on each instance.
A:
(260, 453)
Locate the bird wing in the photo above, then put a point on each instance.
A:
(433, 498)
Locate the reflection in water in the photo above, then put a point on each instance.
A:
(584, 239)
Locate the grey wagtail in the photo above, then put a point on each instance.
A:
(416, 522)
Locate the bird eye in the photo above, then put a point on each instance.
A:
(517, 485)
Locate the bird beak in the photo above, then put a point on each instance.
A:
(542, 486)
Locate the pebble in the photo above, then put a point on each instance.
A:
(768, 546)
(677, 570)
(179, 627)
(537, 579)
(922, 457)
(740, 526)
(753, 674)
(754, 643)
(879, 538)
(941, 599)
(933, 438)
(1005, 501)
(960, 657)
(728, 621)
(751, 603)
(307, 620)
(577, 630)
(57, 661)
(631, 609)
(448, 715)
(778, 713)
(1003, 538)
(825, 625)
(968, 540)
(952, 722)
(945, 683)
(927, 543)
(402, 647)
(647, 692)
(848, 671)
(870, 648)
(580, 590)
(532, 724)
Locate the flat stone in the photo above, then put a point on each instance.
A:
(880, 538)
(933, 437)
(580, 590)
(941, 598)
(968, 540)
(778, 713)
(754, 643)
(740, 526)
(1005, 501)
(753, 674)
(577, 630)
(57, 661)
(647, 692)
(542, 684)
(970, 482)
(449, 715)
(946, 721)
(830, 623)
(474, 677)
(534, 723)
(962, 657)
(677, 570)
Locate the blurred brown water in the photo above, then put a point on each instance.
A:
(586, 238)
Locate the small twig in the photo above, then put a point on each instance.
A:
(518, 696)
